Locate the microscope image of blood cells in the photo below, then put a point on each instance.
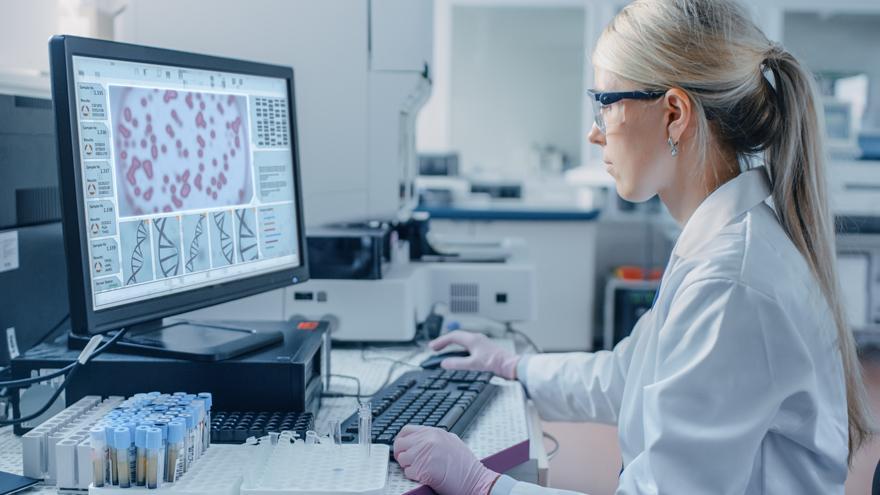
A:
(179, 150)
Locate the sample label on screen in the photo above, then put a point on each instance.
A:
(99, 179)
(92, 101)
(108, 283)
(105, 258)
(102, 218)
(94, 139)
(274, 175)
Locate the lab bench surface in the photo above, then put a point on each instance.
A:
(504, 432)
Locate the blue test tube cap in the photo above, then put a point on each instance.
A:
(178, 394)
(140, 436)
(189, 419)
(121, 437)
(208, 398)
(108, 432)
(154, 438)
(163, 427)
(176, 431)
(160, 408)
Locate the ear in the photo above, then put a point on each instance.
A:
(679, 109)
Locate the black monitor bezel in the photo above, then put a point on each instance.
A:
(84, 319)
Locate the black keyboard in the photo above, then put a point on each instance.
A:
(443, 398)
(236, 427)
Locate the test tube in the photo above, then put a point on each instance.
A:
(189, 448)
(365, 426)
(140, 443)
(174, 455)
(336, 431)
(109, 433)
(153, 450)
(209, 400)
(311, 437)
(98, 442)
(122, 442)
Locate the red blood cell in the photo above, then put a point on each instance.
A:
(148, 129)
(184, 191)
(201, 153)
(225, 158)
(169, 131)
(166, 209)
(213, 181)
(137, 191)
(211, 120)
(134, 123)
(222, 177)
(155, 209)
(164, 149)
(135, 165)
(201, 167)
(198, 96)
(213, 134)
(201, 105)
(198, 182)
(149, 118)
(148, 168)
(186, 153)
(214, 195)
(189, 100)
(208, 190)
(143, 102)
(138, 211)
(170, 94)
(200, 120)
(220, 108)
(148, 193)
(176, 117)
(226, 167)
(230, 100)
(143, 143)
(236, 124)
(127, 114)
(123, 154)
(179, 143)
(201, 140)
(237, 142)
(177, 178)
(173, 188)
(153, 139)
(214, 162)
(232, 152)
(185, 176)
(124, 131)
(166, 179)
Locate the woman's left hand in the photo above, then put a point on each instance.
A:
(440, 459)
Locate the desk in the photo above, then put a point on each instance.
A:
(504, 427)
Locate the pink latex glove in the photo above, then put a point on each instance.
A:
(485, 355)
(439, 459)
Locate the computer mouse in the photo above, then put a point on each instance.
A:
(433, 362)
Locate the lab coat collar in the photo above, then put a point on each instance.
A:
(729, 201)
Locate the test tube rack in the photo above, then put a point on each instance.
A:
(295, 469)
(54, 451)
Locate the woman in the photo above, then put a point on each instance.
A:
(743, 377)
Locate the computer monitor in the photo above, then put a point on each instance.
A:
(179, 182)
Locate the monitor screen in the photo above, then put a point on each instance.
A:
(187, 177)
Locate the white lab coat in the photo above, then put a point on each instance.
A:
(732, 383)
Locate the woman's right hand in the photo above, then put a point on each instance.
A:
(485, 355)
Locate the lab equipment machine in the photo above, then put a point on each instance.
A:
(180, 189)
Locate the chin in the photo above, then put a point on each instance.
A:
(632, 194)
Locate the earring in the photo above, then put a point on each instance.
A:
(673, 147)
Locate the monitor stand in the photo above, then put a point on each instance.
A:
(195, 341)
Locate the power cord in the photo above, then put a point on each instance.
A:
(552, 453)
(509, 329)
(92, 349)
(341, 394)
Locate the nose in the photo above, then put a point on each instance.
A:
(595, 136)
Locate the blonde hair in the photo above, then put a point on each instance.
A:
(713, 51)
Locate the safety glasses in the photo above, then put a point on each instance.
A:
(601, 100)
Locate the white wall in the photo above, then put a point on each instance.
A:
(839, 43)
(25, 34)
(516, 81)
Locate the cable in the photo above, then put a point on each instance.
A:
(340, 394)
(552, 453)
(23, 382)
(520, 333)
(73, 369)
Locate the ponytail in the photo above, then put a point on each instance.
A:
(796, 162)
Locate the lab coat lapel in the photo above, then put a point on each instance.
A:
(726, 203)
